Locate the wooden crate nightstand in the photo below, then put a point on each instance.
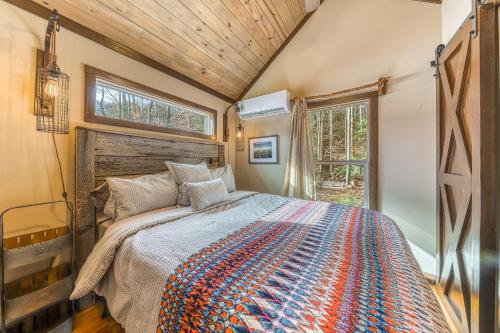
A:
(37, 301)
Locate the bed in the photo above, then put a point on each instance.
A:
(259, 263)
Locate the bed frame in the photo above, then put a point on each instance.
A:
(101, 154)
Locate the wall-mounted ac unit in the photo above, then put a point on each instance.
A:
(265, 106)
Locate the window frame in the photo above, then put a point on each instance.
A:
(371, 163)
(91, 76)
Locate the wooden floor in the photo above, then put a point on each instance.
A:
(451, 325)
(90, 321)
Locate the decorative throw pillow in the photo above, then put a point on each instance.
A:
(206, 194)
(102, 198)
(187, 173)
(142, 194)
(109, 207)
(226, 174)
(100, 195)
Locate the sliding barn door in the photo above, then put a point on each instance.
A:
(467, 167)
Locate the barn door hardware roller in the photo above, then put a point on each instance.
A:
(473, 18)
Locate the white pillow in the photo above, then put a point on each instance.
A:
(187, 173)
(142, 194)
(206, 194)
(109, 207)
(101, 197)
(226, 174)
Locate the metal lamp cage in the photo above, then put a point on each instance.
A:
(52, 110)
(52, 91)
(240, 138)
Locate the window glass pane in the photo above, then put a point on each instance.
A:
(122, 103)
(343, 184)
(340, 132)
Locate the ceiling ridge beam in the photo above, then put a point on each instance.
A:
(289, 38)
(101, 39)
(277, 53)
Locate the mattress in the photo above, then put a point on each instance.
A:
(262, 263)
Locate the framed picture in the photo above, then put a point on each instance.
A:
(263, 150)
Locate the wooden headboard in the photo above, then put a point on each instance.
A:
(101, 154)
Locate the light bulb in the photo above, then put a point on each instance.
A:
(51, 88)
(239, 131)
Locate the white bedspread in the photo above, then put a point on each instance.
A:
(129, 265)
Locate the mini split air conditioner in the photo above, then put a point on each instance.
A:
(265, 106)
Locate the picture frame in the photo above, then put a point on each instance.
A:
(264, 150)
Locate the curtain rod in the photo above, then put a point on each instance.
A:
(381, 85)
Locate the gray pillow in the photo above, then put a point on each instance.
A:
(206, 194)
(102, 198)
(226, 174)
(187, 173)
(142, 194)
(100, 195)
(109, 207)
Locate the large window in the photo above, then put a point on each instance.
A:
(116, 101)
(344, 138)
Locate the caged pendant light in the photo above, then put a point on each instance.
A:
(240, 138)
(51, 107)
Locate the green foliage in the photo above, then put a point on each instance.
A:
(360, 140)
(263, 153)
(115, 103)
(340, 133)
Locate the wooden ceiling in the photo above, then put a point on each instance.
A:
(222, 44)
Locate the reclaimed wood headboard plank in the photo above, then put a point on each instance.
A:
(101, 154)
(128, 145)
(107, 166)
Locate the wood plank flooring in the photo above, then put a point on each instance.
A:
(90, 321)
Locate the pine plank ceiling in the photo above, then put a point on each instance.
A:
(222, 44)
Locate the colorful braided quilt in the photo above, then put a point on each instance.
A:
(304, 267)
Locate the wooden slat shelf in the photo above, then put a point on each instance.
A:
(58, 315)
(33, 238)
(38, 252)
(37, 281)
(19, 308)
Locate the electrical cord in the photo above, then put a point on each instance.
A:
(64, 193)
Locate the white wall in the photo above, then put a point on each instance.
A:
(28, 171)
(350, 43)
(454, 13)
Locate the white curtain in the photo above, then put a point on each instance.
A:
(299, 177)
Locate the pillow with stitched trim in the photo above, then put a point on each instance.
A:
(205, 194)
(226, 174)
(142, 194)
(187, 173)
